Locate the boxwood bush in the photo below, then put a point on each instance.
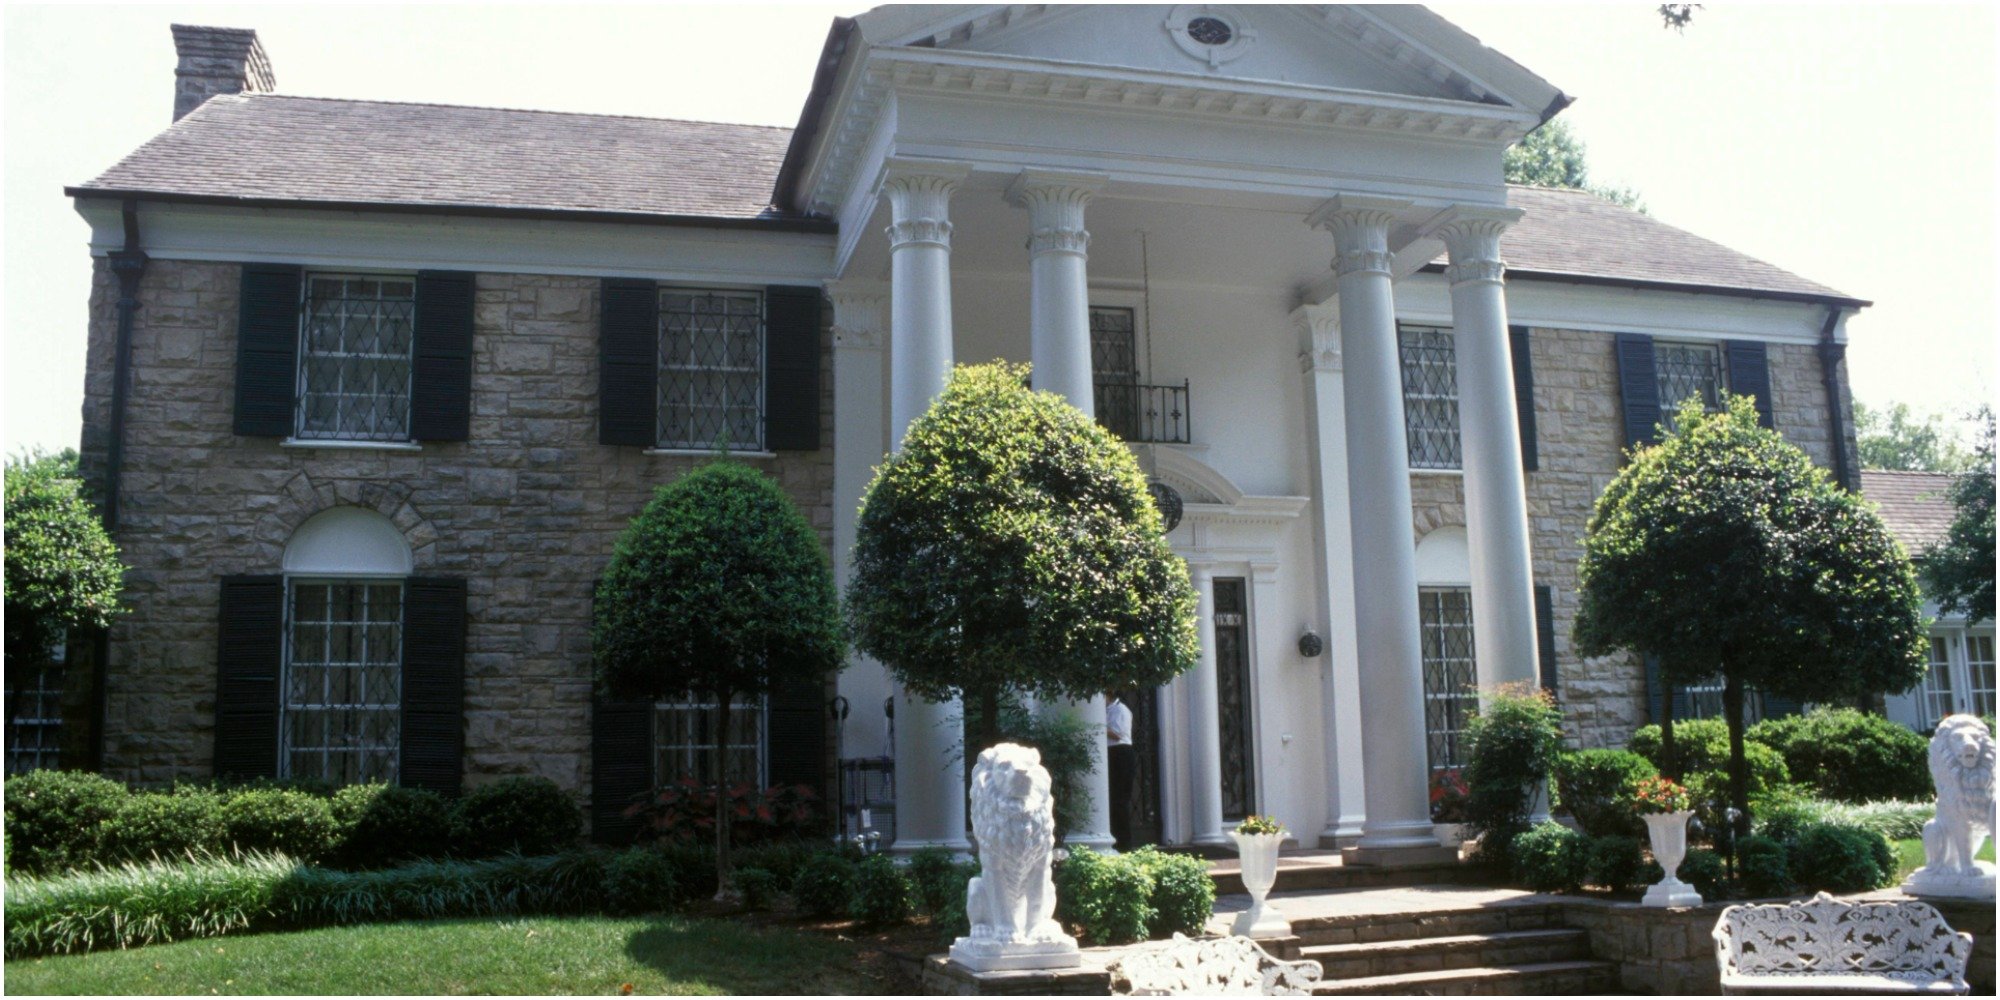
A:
(641, 880)
(1763, 864)
(1107, 898)
(1705, 870)
(56, 819)
(382, 825)
(1596, 787)
(882, 894)
(1841, 859)
(527, 815)
(170, 827)
(1850, 756)
(1618, 863)
(823, 885)
(279, 821)
(1183, 896)
(1551, 858)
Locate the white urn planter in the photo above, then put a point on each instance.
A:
(1258, 858)
(1669, 833)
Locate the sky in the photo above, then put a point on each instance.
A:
(1853, 145)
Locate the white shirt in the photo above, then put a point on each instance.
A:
(1118, 724)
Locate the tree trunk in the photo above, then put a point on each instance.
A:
(1739, 766)
(723, 807)
(989, 718)
(1672, 762)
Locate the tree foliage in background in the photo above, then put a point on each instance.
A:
(1010, 547)
(1899, 439)
(1960, 569)
(62, 569)
(1724, 550)
(1677, 15)
(719, 589)
(1552, 156)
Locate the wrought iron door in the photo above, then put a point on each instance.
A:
(1232, 692)
(1147, 827)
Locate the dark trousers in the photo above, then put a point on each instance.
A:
(1123, 761)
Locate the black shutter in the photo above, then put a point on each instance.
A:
(249, 651)
(267, 349)
(434, 684)
(628, 373)
(441, 384)
(1750, 374)
(1638, 387)
(795, 735)
(1777, 707)
(621, 767)
(791, 368)
(1545, 636)
(1524, 395)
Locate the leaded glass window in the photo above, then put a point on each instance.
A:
(343, 681)
(1688, 370)
(1979, 672)
(1430, 396)
(711, 369)
(354, 357)
(1114, 369)
(34, 717)
(684, 742)
(1937, 681)
(1451, 674)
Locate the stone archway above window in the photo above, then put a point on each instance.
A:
(347, 541)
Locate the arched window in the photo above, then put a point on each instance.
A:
(1451, 673)
(340, 696)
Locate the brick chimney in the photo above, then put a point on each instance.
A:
(217, 61)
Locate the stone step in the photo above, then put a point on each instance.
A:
(1297, 877)
(1571, 978)
(1370, 928)
(1463, 951)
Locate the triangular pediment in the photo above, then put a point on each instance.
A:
(1388, 50)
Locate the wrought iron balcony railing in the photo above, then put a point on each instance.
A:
(1155, 414)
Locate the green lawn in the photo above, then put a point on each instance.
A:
(1910, 855)
(537, 955)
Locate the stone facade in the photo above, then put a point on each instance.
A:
(526, 510)
(1580, 439)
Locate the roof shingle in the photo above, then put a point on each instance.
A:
(1916, 506)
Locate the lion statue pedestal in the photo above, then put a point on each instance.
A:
(1962, 770)
(1012, 903)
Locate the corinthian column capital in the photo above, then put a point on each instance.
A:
(859, 314)
(1055, 201)
(919, 193)
(1471, 235)
(1318, 326)
(1360, 227)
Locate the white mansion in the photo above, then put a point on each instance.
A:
(374, 386)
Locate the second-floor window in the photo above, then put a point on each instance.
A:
(355, 349)
(1688, 370)
(711, 369)
(1430, 396)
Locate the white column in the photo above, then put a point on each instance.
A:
(1059, 337)
(1489, 431)
(1059, 288)
(1333, 567)
(1396, 785)
(1204, 736)
(930, 777)
(859, 329)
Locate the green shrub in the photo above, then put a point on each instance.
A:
(56, 819)
(932, 871)
(694, 865)
(1550, 858)
(782, 858)
(524, 814)
(382, 825)
(758, 887)
(641, 880)
(1763, 864)
(949, 920)
(1183, 895)
(1786, 818)
(167, 827)
(1510, 744)
(1705, 870)
(823, 886)
(882, 893)
(1841, 859)
(1615, 862)
(1105, 897)
(1596, 787)
(1703, 745)
(279, 821)
(1850, 756)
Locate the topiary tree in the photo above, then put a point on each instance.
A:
(718, 589)
(62, 570)
(1011, 547)
(1723, 550)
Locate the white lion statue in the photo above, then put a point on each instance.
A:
(1012, 904)
(1962, 770)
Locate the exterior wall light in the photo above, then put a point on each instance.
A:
(1311, 645)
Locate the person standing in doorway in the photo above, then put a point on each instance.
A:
(1121, 760)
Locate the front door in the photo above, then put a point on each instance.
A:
(1232, 692)
(1143, 798)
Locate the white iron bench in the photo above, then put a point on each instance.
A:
(1828, 945)
(1219, 966)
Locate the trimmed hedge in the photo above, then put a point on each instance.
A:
(166, 827)
(823, 885)
(56, 819)
(1841, 859)
(280, 821)
(523, 815)
(1850, 756)
(1551, 858)
(1618, 863)
(1104, 896)
(882, 894)
(383, 825)
(1183, 895)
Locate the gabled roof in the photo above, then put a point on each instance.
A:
(1916, 506)
(273, 150)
